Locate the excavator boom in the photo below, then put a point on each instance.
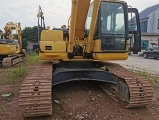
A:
(78, 19)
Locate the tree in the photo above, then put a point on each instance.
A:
(30, 34)
(24, 43)
(15, 36)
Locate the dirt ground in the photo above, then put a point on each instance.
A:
(94, 104)
(78, 101)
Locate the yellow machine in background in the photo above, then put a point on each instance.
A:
(97, 31)
(11, 49)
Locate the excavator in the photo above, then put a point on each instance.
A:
(97, 33)
(11, 51)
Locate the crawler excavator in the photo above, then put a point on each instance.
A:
(98, 32)
(11, 51)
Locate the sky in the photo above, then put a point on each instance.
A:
(56, 12)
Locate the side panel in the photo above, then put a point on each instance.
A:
(52, 56)
(110, 56)
(52, 35)
(96, 56)
(6, 49)
(53, 46)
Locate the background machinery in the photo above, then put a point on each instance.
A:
(97, 32)
(11, 51)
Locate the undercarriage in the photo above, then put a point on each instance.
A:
(36, 90)
(8, 61)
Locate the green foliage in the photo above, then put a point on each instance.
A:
(33, 58)
(16, 74)
(24, 43)
(152, 78)
(30, 34)
(146, 73)
(15, 36)
(13, 75)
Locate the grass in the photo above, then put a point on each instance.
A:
(16, 74)
(19, 71)
(153, 79)
(32, 58)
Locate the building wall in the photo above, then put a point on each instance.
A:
(143, 25)
(153, 22)
(31, 46)
(151, 39)
(152, 35)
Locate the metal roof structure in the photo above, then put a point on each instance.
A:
(144, 14)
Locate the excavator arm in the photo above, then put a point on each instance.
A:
(8, 29)
(78, 19)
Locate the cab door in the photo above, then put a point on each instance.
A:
(134, 30)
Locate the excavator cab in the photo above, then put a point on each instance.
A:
(102, 31)
(114, 28)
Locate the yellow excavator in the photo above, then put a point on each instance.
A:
(97, 32)
(11, 51)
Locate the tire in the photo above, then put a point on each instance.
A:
(145, 55)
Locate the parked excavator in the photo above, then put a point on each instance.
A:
(11, 51)
(98, 32)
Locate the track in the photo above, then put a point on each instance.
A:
(36, 90)
(137, 90)
(35, 97)
(12, 60)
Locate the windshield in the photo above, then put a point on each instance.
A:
(110, 25)
(112, 18)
